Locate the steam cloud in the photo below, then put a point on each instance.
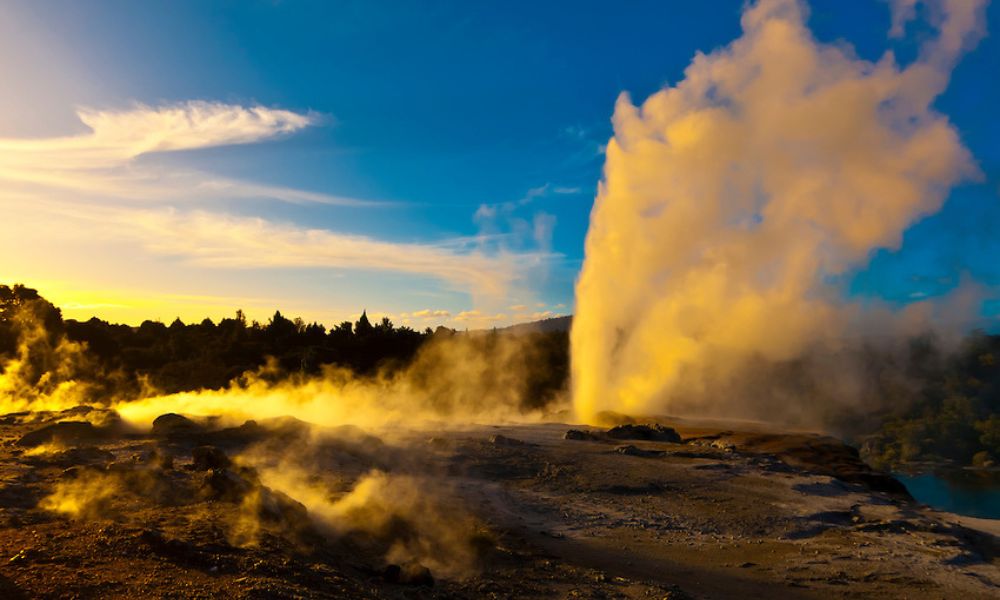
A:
(410, 519)
(732, 199)
(459, 379)
(44, 374)
(454, 378)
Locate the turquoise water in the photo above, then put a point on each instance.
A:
(972, 493)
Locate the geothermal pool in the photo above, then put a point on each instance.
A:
(964, 492)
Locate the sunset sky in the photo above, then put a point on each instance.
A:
(434, 162)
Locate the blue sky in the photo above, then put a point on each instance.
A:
(460, 119)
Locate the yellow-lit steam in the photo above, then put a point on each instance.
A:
(454, 379)
(86, 498)
(410, 518)
(43, 374)
(731, 198)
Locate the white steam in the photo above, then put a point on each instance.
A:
(732, 198)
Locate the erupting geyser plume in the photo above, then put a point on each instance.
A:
(731, 200)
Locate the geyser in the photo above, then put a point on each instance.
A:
(732, 200)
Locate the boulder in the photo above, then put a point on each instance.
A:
(502, 440)
(86, 455)
(66, 432)
(226, 485)
(583, 436)
(438, 443)
(206, 458)
(413, 574)
(277, 507)
(155, 458)
(651, 433)
(172, 424)
(633, 451)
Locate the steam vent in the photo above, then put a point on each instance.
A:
(489, 301)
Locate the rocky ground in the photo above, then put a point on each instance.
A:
(93, 508)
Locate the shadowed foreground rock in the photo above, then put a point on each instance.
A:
(65, 432)
(579, 435)
(172, 424)
(206, 458)
(652, 433)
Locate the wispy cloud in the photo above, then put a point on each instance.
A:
(489, 211)
(428, 313)
(116, 137)
(475, 319)
(102, 163)
(533, 231)
(91, 187)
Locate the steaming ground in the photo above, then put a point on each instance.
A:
(91, 507)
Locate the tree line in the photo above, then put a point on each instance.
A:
(952, 410)
(945, 408)
(121, 359)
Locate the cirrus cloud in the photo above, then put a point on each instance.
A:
(92, 188)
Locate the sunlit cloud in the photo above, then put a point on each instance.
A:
(428, 313)
(223, 241)
(92, 188)
(102, 163)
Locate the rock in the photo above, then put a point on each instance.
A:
(170, 548)
(172, 424)
(723, 445)
(633, 451)
(249, 431)
(100, 417)
(206, 458)
(71, 472)
(226, 485)
(87, 455)
(10, 591)
(652, 433)
(24, 555)
(67, 432)
(583, 436)
(823, 455)
(502, 440)
(392, 573)
(157, 459)
(875, 481)
(415, 574)
(438, 443)
(274, 506)
(164, 461)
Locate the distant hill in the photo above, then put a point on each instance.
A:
(544, 326)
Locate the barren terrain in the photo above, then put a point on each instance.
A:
(279, 509)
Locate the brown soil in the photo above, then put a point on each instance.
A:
(723, 514)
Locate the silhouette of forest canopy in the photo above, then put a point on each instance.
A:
(949, 410)
(207, 355)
